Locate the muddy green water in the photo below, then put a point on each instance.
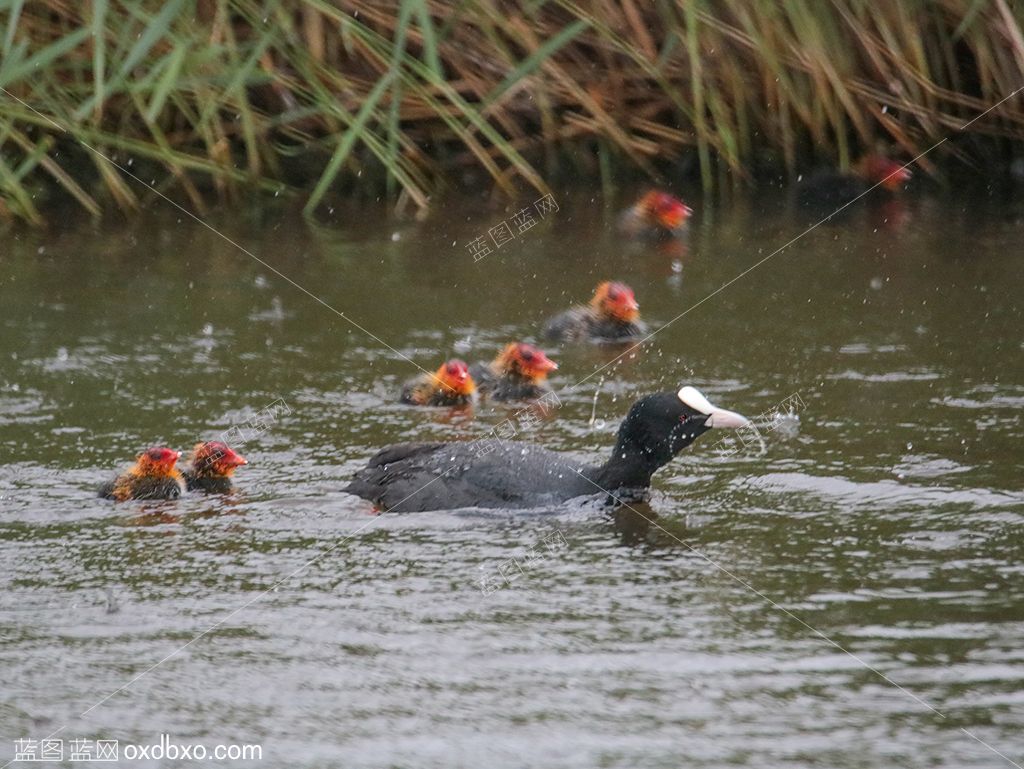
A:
(884, 519)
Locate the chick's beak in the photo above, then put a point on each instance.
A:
(675, 218)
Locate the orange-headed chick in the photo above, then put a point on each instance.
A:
(519, 372)
(153, 476)
(613, 315)
(450, 385)
(211, 467)
(889, 174)
(656, 214)
(826, 190)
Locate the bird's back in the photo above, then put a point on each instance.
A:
(491, 473)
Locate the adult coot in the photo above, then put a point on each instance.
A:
(153, 476)
(413, 477)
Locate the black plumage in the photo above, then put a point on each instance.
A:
(142, 487)
(582, 324)
(490, 473)
(208, 484)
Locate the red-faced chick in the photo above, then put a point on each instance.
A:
(211, 466)
(153, 476)
(450, 385)
(613, 315)
(826, 190)
(519, 372)
(654, 216)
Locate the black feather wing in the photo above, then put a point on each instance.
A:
(485, 473)
(569, 326)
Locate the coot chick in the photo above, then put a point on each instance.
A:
(212, 465)
(153, 476)
(832, 189)
(414, 477)
(612, 316)
(655, 216)
(518, 373)
(450, 385)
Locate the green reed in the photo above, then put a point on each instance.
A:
(211, 99)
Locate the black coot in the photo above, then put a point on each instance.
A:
(413, 477)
